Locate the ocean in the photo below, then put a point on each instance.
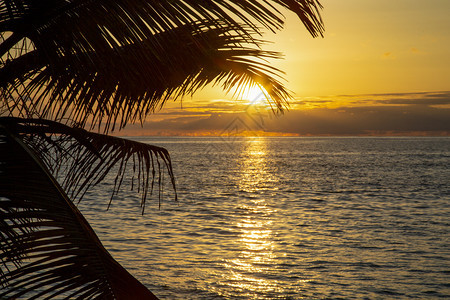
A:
(288, 218)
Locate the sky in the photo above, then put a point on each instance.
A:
(382, 68)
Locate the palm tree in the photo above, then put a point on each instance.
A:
(68, 66)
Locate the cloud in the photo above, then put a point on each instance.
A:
(424, 98)
(420, 98)
(425, 113)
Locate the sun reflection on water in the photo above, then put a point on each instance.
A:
(254, 176)
(250, 271)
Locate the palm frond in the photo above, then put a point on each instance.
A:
(117, 61)
(119, 86)
(80, 159)
(47, 248)
(138, 18)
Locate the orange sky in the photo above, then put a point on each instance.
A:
(391, 59)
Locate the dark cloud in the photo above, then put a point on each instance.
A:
(436, 98)
(181, 112)
(438, 95)
(364, 120)
(425, 101)
(342, 121)
(422, 98)
(392, 114)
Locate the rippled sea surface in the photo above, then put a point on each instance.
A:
(288, 218)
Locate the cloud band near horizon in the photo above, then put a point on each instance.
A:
(426, 113)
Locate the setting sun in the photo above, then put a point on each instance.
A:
(253, 94)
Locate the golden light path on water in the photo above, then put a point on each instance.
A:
(290, 218)
(257, 255)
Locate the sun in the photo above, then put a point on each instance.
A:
(253, 93)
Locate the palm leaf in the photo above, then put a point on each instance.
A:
(93, 90)
(125, 19)
(120, 60)
(47, 248)
(81, 159)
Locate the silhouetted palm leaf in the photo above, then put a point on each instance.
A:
(120, 60)
(47, 248)
(128, 87)
(81, 159)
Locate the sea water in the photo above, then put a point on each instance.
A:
(288, 218)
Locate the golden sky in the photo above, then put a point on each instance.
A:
(373, 47)
(391, 57)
